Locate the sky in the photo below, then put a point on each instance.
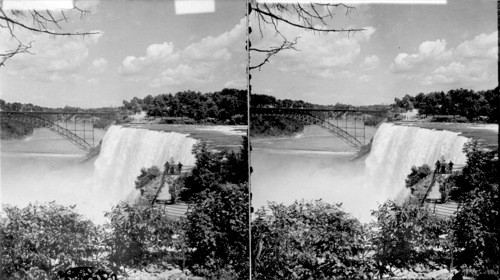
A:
(142, 48)
(404, 49)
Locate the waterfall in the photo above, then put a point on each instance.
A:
(396, 149)
(125, 151)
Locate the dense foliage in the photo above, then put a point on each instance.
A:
(147, 175)
(408, 235)
(44, 238)
(480, 172)
(274, 126)
(10, 130)
(309, 240)
(417, 174)
(477, 230)
(228, 106)
(218, 229)
(475, 106)
(28, 107)
(218, 219)
(142, 235)
(213, 169)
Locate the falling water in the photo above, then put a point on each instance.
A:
(396, 149)
(125, 151)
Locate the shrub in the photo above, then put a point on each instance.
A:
(102, 123)
(213, 169)
(146, 176)
(143, 235)
(373, 120)
(476, 228)
(218, 230)
(39, 239)
(308, 240)
(409, 235)
(476, 232)
(480, 172)
(417, 174)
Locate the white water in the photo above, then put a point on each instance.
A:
(396, 149)
(48, 168)
(125, 151)
(292, 169)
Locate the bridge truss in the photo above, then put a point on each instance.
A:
(348, 124)
(77, 127)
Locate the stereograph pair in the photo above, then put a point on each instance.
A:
(218, 139)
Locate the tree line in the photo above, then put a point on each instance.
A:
(228, 106)
(473, 105)
(278, 126)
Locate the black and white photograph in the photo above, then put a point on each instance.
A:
(124, 150)
(374, 133)
(249, 139)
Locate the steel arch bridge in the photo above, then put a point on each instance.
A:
(82, 136)
(332, 120)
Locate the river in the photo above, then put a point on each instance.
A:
(46, 167)
(317, 165)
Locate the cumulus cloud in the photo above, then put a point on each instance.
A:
(364, 78)
(469, 63)
(323, 55)
(99, 65)
(370, 62)
(202, 62)
(238, 84)
(54, 59)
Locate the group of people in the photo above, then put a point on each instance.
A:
(443, 168)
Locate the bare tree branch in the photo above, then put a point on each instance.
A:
(10, 53)
(42, 22)
(313, 17)
(286, 45)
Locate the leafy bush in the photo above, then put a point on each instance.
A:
(39, 239)
(476, 232)
(102, 123)
(309, 240)
(373, 120)
(409, 235)
(218, 230)
(476, 228)
(143, 235)
(480, 172)
(146, 176)
(417, 174)
(213, 169)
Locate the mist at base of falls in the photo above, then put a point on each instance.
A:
(46, 167)
(285, 170)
